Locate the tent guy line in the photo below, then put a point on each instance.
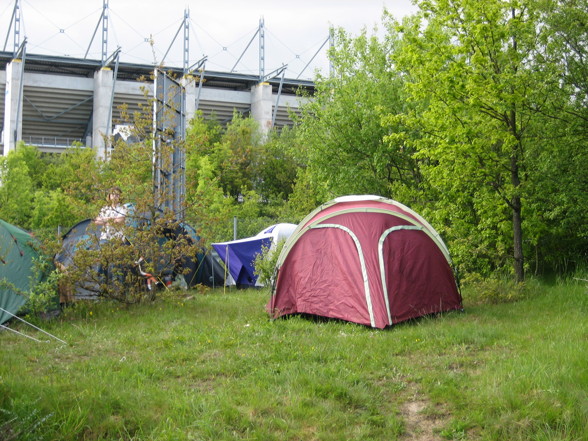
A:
(30, 324)
(22, 334)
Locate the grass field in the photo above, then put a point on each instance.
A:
(213, 367)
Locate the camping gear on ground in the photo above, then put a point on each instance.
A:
(18, 274)
(239, 255)
(151, 281)
(364, 259)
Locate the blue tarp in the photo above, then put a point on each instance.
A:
(239, 257)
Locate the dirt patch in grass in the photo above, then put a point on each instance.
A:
(422, 423)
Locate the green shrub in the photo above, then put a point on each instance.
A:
(494, 290)
(265, 263)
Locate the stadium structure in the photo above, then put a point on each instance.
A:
(54, 102)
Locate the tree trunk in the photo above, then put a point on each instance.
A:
(518, 239)
(517, 223)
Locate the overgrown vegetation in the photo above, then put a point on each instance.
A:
(471, 113)
(265, 263)
(214, 367)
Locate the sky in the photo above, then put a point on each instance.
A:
(222, 30)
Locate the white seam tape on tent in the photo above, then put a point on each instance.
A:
(425, 227)
(381, 262)
(368, 297)
(360, 198)
(299, 232)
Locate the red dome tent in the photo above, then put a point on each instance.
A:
(364, 259)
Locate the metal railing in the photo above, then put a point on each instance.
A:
(53, 141)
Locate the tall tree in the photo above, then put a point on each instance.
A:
(341, 127)
(568, 46)
(16, 188)
(480, 71)
(560, 230)
(231, 173)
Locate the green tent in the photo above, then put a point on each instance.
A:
(18, 250)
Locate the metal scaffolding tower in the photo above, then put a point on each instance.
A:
(104, 21)
(14, 20)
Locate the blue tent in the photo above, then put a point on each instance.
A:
(239, 255)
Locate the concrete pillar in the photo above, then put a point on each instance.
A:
(12, 132)
(261, 106)
(102, 114)
(191, 87)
